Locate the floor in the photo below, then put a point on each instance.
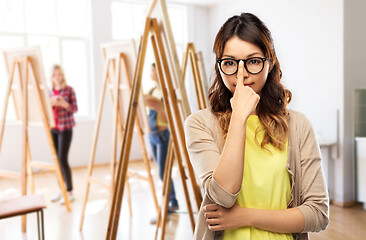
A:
(345, 223)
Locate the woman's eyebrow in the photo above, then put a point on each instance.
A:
(250, 55)
(228, 56)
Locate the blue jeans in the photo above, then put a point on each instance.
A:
(159, 141)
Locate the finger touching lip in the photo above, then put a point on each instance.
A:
(248, 84)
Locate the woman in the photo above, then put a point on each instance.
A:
(63, 100)
(259, 162)
(159, 135)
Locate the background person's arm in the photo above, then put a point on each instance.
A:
(156, 104)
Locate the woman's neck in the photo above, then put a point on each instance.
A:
(57, 87)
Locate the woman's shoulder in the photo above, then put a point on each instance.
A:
(201, 116)
(201, 123)
(68, 87)
(204, 120)
(298, 120)
(296, 116)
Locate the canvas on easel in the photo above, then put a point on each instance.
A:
(198, 74)
(27, 85)
(119, 62)
(157, 28)
(13, 56)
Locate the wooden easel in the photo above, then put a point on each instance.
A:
(175, 120)
(198, 76)
(25, 71)
(191, 54)
(113, 71)
(202, 103)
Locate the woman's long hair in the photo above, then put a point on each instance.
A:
(271, 109)
(58, 67)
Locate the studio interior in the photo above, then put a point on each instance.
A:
(182, 119)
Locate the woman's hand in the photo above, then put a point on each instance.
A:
(63, 103)
(59, 101)
(245, 99)
(219, 218)
(153, 103)
(54, 101)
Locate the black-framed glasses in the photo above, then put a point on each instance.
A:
(253, 65)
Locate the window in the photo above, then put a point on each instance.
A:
(128, 21)
(60, 28)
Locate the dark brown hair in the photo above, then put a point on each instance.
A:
(271, 109)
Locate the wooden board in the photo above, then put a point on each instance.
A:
(34, 53)
(113, 50)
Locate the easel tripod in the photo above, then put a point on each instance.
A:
(28, 82)
(114, 68)
(175, 125)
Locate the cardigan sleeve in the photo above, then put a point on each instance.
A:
(204, 155)
(314, 193)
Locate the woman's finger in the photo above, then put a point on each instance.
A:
(215, 228)
(240, 74)
(211, 214)
(212, 221)
(210, 207)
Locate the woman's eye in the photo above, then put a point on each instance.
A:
(229, 63)
(254, 61)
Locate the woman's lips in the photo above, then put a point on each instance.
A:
(249, 84)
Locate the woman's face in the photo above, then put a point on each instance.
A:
(154, 74)
(57, 76)
(240, 49)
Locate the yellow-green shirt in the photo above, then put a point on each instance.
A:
(266, 183)
(160, 122)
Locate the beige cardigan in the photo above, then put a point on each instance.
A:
(309, 192)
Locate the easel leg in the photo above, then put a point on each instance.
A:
(94, 144)
(184, 62)
(117, 125)
(143, 146)
(129, 196)
(127, 137)
(116, 112)
(186, 194)
(195, 79)
(176, 127)
(147, 164)
(6, 102)
(163, 213)
(30, 169)
(25, 141)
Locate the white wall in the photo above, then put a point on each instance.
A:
(308, 37)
